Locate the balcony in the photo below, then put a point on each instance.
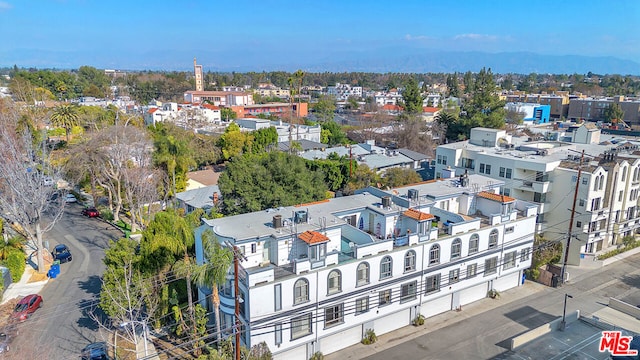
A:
(530, 185)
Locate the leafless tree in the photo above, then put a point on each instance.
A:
(130, 303)
(26, 182)
(118, 160)
(140, 190)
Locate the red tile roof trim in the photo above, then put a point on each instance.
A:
(312, 237)
(418, 215)
(496, 197)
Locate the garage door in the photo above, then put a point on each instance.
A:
(507, 282)
(297, 353)
(392, 322)
(436, 306)
(341, 340)
(473, 293)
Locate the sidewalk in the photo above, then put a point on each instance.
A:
(434, 323)
(23, 287)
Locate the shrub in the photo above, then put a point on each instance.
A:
(317, 356)
(628, 245)
(493, 293)
(15, 263)
(369, 337)
(419, 320)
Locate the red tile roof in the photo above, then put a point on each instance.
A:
(151, 111)
(312, 237)
(210, 107)
(390, 107)
(496, 197)
(418, 215)
(430, 109)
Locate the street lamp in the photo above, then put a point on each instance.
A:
(563, 324)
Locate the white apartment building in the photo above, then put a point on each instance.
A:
(545, 172)
(285, 130)
(343, 91)
(184, 114)
(219, 98)
(317, 276)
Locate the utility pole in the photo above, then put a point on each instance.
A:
(573, 212)
(237, 256)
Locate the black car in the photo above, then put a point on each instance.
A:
(95, 351)
(61, 253)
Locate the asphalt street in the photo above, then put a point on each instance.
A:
(63, 326)
(487, 335)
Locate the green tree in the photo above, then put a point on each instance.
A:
(173, 155)
(396, 177)
(227, 114)
(452, 85)
(412, 98)
(468, 81)
(613, 113)
(333, 134)
(173, 234)
(325, 108)
(363, 176)
(65, 116)
(484, 108)
(268, 180)
(263, 138)
(234, 142)
(213, 272)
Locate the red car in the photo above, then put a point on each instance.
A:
(90, 212)
(26, 306)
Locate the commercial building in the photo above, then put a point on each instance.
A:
(318, 276)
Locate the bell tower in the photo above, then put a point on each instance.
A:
(197, 70)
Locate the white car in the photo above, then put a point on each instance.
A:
(70, 198)
(48, 181)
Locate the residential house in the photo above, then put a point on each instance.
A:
(204, 198)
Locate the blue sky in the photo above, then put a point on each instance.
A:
(168, 34)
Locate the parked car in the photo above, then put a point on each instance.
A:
(70, 198)
(4, 342)
(90, 212)
(61, 253)
(95, 351)
(26, 306)
(48, 181)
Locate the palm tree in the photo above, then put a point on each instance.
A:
(65, 116)
(214, 271)
(171, 231)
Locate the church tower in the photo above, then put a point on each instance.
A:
(197, 69)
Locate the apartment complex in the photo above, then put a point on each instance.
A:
(317, 276)
(343, 91)
(558, 102)
(592, 109)
(546, 173)
(219, 98)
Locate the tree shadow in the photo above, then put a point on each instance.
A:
(529, 317)
(90, 312)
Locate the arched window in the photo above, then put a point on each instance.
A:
(595, 183)
(410, 261)
(456, 248)
(474, 244)
(334, 282)
(493, 239)
(624, 173)
(386, 267)
(300, 291)
(362, 274)
(601, 186)
(434, 254)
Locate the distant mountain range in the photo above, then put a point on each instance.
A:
(377, 60)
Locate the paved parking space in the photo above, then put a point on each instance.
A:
(580, 340)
